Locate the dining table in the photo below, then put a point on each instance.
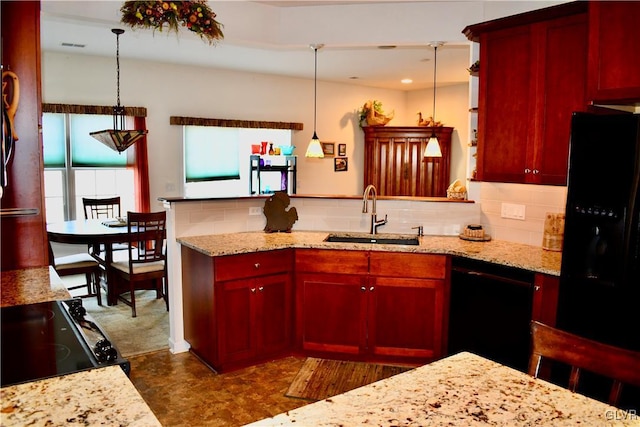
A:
(463, 389)
(93, 232)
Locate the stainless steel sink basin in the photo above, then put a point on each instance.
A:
(380, 239)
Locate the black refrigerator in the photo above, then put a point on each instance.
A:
(599, 294)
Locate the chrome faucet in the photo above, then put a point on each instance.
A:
(371, 189)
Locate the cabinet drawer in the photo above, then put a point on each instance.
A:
(331, 261)
(252, 265)
(420, 266)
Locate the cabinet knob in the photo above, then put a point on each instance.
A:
(363, 289)
(371, 288)
(253, 290)
(527, 170)
(256, 265)
(536, 288)
(261, 288)
(536, 171)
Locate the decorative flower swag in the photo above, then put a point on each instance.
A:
(195, 15)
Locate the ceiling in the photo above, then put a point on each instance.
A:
(86, 31)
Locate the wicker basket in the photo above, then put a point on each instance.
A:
(457, 195)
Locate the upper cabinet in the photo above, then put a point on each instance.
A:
(532, 77)
(614, 52)
(394, 161)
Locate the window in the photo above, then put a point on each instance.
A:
(76, 165)
(217, 159)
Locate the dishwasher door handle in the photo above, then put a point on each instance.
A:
(493, 277)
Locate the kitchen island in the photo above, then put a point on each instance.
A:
(92, 397)
(460, 390)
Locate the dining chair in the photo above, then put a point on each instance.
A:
(76, 264)
(103, 208)
(146, 264)
(618, 364)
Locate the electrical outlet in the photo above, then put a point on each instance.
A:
(255, 210)
(512, 211)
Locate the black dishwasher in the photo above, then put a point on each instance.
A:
(490, 311)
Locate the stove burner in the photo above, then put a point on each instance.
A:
(59, 351)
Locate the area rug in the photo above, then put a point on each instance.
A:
(147, 332)
(322, 378)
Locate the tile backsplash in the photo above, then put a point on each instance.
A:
(218, 216)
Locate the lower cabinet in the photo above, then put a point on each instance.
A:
(237, 308)
(254, 318)
(380, 306)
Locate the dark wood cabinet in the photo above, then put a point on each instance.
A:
(23, 228)
(614, 52)
(237, 308)
(545, 299)
(394, 161)
(381, 306)
(532, 78)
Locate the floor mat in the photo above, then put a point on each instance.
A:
(322, 378)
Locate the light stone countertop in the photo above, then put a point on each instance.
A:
(460, 390)
(102, 396)
(31, 285)
(527, 257)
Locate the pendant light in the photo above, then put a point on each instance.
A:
(315, 149)
(433, 146)
(118, 138)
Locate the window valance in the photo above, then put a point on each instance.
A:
(253, 124)
(91, 109)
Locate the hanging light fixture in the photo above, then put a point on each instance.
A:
(315, 149)
(118, 138)
(433, 146)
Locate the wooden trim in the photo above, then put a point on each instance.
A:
(473, 32)
(92, 109)
(198, 121)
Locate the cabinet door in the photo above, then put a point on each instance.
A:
(545, 299)
(614, 51)
(506, 110)
(406, 318)
(235, 306)
(273, 316)
(332, 312)
(562, 53)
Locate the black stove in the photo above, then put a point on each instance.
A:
(52, 338)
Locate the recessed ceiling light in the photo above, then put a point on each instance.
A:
(406, 81)
(387, 47)
(354, 78)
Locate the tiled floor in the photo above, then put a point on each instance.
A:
(182, 391)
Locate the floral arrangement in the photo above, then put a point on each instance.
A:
(372, 114)
(195, 15)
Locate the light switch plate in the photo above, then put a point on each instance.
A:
(513, 211)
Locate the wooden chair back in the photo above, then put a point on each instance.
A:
(147, 234)
(101, 208)
(620, 365)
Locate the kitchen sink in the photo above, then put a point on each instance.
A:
(380, 239)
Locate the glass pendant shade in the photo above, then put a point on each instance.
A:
(433, 147)
(315, 148)
(118, 138)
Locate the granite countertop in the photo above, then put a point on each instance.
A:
(528, 257)
(102, 396)
(31, 285)
(460, 390)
